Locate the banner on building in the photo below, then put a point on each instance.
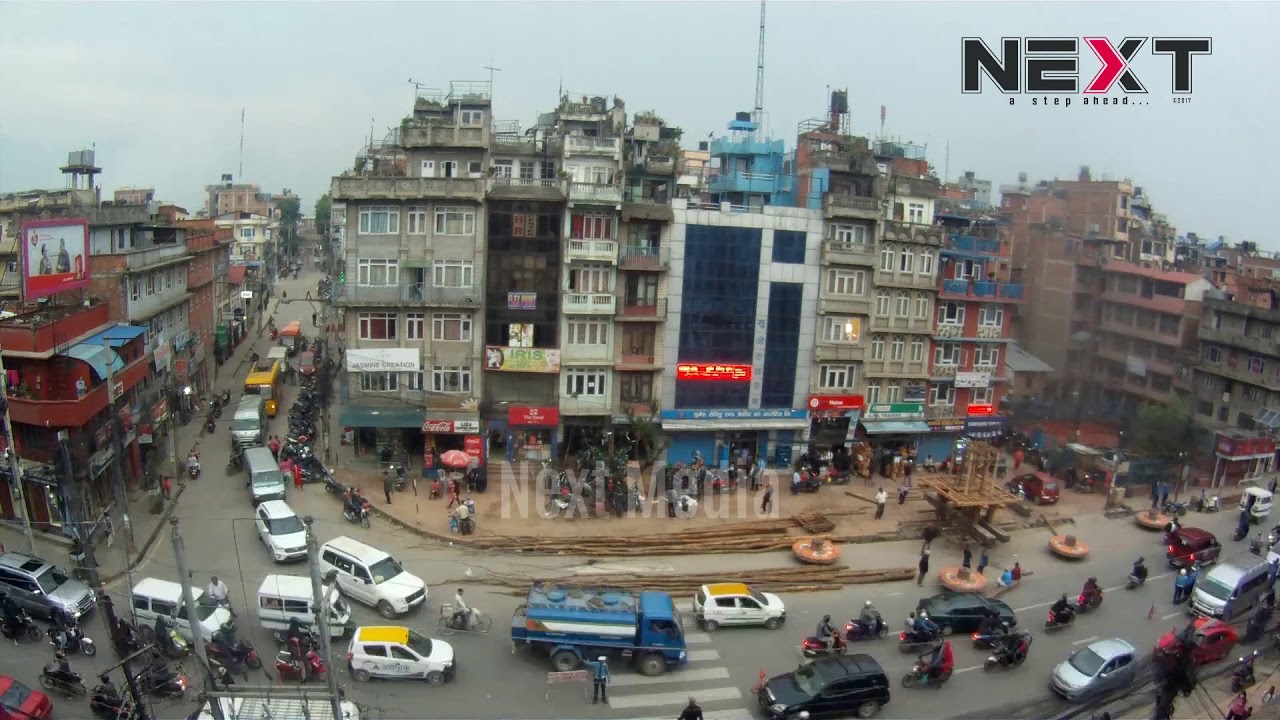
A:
(519, 359)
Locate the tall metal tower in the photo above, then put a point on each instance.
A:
(757, 116)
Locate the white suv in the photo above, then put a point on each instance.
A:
(281, 530)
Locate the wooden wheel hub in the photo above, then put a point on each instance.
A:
(815, 551)
(1068, 546)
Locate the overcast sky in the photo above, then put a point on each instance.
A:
(158, 87)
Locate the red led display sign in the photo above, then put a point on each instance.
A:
(689, 371)
(982, 410)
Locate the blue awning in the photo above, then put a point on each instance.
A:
(117, 336)
(95, 355)
(894, 427)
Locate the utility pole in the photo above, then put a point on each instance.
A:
(193, 616)
(491, 70)
(109, 608)
(117, 444)
(320, 606)
(15, 466)
(75, 501)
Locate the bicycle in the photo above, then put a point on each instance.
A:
(475, 621)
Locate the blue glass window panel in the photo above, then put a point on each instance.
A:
(788, 247)
(782, 345)
(718, 310)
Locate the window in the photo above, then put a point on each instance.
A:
(942, 395)
(922, 307)
(377, 272)
(897, 348)
(151, 283)
(837, 377)
(449, 169)
(417, 220)
(584, 381)
(503, 168)
(413, 325)
(453, 273)
(527, 169)
(926, 263)
(1212, 353)
(378, 381)
(135, 290)
(893, 392)
(246, 233)
(452, 327)
(946, 354)
(951, 314)
(886, 259)
(591, 279)
(377, 326)
(877, 347)
(980, 396)
(846, 282)
(591, 332)
(591, 227)
(472, 117)
(428, 168)
(906, 261)
(903, 304)
(841, 329)
(991, 316)
(635, 387)
(1253, 393)
(788, 247)
(873, 394)
(1209, 382)
(917, 350)
(915, 213)
(1257, 365)
(455, 221)
(986, 356)
(449, 379)
(882, 303)
(379, 220)
(416, 380)
(849, 234)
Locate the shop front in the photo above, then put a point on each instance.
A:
(984, 428)
(722, 436)
(1238, 458)
(893, 430)
(833, 420)
(940, 443)
(442, 434)
(529, 433)
(386, 428)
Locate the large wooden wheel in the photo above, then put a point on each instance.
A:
(815, 551)
(1068, 546)
(962, 579)
(1152, 519)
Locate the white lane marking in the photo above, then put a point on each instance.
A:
(696, 639)
(680, 676)
(1172, 615)
(967, 669)
(1089, 639)
(892, 594)
(703, 655)
(679, 698)
(1104, 590)
(714, 715)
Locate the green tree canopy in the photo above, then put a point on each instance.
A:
(1162, 431)
(324, 211)
(290, 213)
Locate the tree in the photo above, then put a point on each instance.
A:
(290, 213)
(647, 438)
(324, 212)
(1162, 431)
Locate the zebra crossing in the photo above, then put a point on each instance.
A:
(705, 678)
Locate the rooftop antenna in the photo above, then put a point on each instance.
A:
(491, 70)
(417, 88)
(758, 115)
(946, 163)
(241, 143)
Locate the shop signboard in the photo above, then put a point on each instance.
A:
(55, 256)
(473, 445)
(894, 411)
(712, 371)
(983, 424)
(501, 358)
(522, 301)
(839, 403)
(1241, 447)
(946, 425)
(459, 427)
(365, 360)
(533, 416)
(733, 414)
(160, 411)
(912, 394)
(973, 379)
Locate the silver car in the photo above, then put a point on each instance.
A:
(1102, 667)
(40, 588)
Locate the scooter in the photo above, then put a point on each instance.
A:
(854, 631)
(1053, 623)
(815, 647)
(232, 651)
(1241, 531)
(310, 668)
(71, 639)
(1134, 581)
(1210, 504)
(1084, 605)
(1006, 660)
(70, 685)
(920, 675)
(108, 703)
(22, 629)
(210, 424)
(1173, 508)
(159, 679)
(915, 644)
(1243, 676)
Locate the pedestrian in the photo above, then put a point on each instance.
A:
(967, 561)
(766, 503)
(1164, 493)
(903, 491)
(455, 494)
(693, 712)
(388, 484)
(1269, 695)
(297, 476)
(313, 320)
(599, 680)
(924, 567)
(881, 498)
(1181, 586)
(929, 535)
(982, 562)
(1240, 709)
(166, 487)
(309, 297)
(671, 503)
(274, 444)
(1016, 572)
(908, 467)
(1272, 486)
(795, 481)
(109, 530)
(1273, 572)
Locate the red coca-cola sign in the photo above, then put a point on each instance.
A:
(437, 426)
(473, 445)
(534, 416)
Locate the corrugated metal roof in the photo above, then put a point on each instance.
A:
(1019, 360)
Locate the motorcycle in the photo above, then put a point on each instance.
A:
(332, 486)
(1134, 581)
(226, 647)
(983, 639)
(1240, 532)
(210, 424)
(235, 464)
(854, 631)
(1208, 505)
(1243, 676)
(170, 643)
(810, 484)
(309, 640)
(815, 647)
(1174, 508)
(311, 667)
(1053, 622)
(1004, 659)
(1259, 546)
(23, 628)
(1093, 602)
(67, 684)
(193, 471)
(361, 516)
(159, 679)
(71, 639)
(918, 642)
(108, 703)
(920, 674)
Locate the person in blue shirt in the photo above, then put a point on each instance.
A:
(599, 680)
(926, 627)
(1182, 586)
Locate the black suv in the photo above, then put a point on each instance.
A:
(831, 687)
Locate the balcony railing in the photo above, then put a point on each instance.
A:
(635, 361)
(979, 290)
(582, 145)
(634, 310)
(1262, 346)
(948, 330)
(442, 135)
(143, 259)
(990, 332)
(853, 202)
(635, 257)
(945, 370)
(745, 182)
(355, 187)
(591, 250)
(410, 294)
(971, 244)
(660, 165)
(595, 193)
(76, 411)
(589, 303)
(849, 253)
(935, 412)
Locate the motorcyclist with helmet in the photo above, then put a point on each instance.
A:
(60, 670)
(355, 502)
(926, 629)
(1140, 570)
(825, 632)
(1061, 610)
(870, 620)
(1090, 591)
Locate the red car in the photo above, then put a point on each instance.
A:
(20, 701)
(1038, 487)
(1213, 640)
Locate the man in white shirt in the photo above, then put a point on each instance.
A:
(796, 479)
(217, 590)
(881, 498)
(460, 611)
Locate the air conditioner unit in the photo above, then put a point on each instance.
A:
(1093, 228)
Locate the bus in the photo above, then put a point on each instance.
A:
(291, 337)
(267, 384)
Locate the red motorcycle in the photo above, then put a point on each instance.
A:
(311, 667)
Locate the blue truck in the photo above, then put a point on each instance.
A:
(571, 625)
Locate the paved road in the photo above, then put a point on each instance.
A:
(495, 683)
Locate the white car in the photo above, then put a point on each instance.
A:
(397, 652)
(153, 598)
(726, 604)
(281, 530)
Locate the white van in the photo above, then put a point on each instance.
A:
(248, 424)
(266, 482)
(282, 598)
(152, 598)
(1232, 588)
(372, 577)
(1257, 502)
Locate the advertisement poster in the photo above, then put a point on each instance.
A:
(518, 359)
(55, 255)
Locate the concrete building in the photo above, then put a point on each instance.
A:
(979, 189)
(254, 236)
(130, 195)
(231, 197)
(748, 170)
(207, 276)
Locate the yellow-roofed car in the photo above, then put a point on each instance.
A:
(734, 604)
(387, 651)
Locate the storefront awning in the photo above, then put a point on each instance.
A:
(382, 417)
(235, 275)
(118, 336)
(95, 355)
(895, 427)
(713, 425)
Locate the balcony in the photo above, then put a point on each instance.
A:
(56, 327)
(973, 245)
(635, 257)
(355, 188)
(896, 369)
(910, 281)
(984, 291)
(654, 311)
(636, 363)
(584, 404)
(156, 257)
(745, 182)
(857, 207)
(948, 330)
(938, 412)
(638, 408)
(660, 165)
(725, 146)
(991, 332)
(903, 232)
(1159, 303)
(10, 284)
(945, 371)
(846, 253)
(506, 188)
(596, 193)
(76, 412)
(579, 353)
(583, 145)
(832, 304)
(830, 351)
(1261, 346)
(591, 251)
(408, 295)
(442, 136)
(588, 303)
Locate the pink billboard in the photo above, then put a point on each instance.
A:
(55, 256)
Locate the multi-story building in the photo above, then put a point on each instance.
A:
(231, 197)
(134, 195)
(979, 189)
(253, 234)
(412, 280)
(210, 249)
(752, 170)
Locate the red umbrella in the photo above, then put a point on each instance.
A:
(455, 459)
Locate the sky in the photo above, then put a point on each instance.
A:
(158, 88)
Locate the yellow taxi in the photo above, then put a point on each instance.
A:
(387, 651)
(737, 604)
